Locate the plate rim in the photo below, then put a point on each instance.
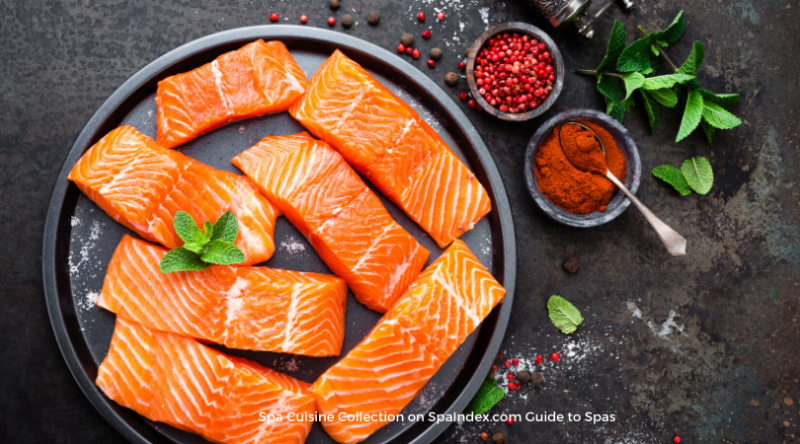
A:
(54, 222)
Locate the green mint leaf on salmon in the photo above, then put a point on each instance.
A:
(487, 397)
(563, 315)
(674, 177)
(181, 259)
(698, 174)
(201, 248)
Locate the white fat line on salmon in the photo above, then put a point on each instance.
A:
(218, 84)
(234, 303)
(291, 317)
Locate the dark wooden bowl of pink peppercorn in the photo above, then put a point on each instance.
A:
(531, 64)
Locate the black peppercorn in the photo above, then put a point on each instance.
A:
(571, 265)
(451, 78)
(492, 375)
(537, 379)
(347, 20)
(334, 4)
(499, 438)
(373, 18)
(523, 377)
(436, 53)
(407, 39)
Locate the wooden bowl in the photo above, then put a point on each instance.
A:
(520, 28)
(626, 144)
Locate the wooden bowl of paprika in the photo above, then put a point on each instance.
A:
(575, 197)
(514, 71)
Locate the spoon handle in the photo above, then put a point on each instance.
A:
(675, 243)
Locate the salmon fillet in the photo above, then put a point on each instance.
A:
(257, 79)
(383, 138)
(383, 373)
(176, 380)
(142, 185)
(342, 218)
(254, 308)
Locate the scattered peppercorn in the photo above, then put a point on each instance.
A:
(537, 379)
(507, 364)
(464, 96)
(373, 18)
(331, 21)
(555, 357)
(514, 73)
(484, 436)
(471, 103)
(407, 39)
(538, 360)
(416, 53)
(451, 79)
(421, 16)
(431, 63)
(510, 420)
(515, 361)
(426, 34)
(436, 53)
(334, 4)
(499, 438)
(492, 375)
(401, 48)
(304, 19)
(510, 376)
(462, 65)
(524, 377)
(440, 16)
(347, 20)
(273, 17)
(500, 355)
(409, 50)
(571, 265)
(494, 367)
(676, 439)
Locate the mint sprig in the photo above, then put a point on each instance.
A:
(214, 244)
(563, 315)
(488, 395)
(642, 58)
(694, 174)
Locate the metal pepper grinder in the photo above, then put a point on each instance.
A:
(558, 12)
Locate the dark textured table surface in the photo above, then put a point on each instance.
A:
(705, 346)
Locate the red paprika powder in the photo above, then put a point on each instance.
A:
(574, 190)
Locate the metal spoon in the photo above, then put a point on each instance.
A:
(675, 243)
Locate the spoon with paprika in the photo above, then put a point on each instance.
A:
(585, 151)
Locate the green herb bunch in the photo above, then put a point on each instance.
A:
(201, 248)
(642, 58)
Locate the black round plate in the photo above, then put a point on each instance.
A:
(79, 238)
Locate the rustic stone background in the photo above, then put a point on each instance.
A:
(704, 346)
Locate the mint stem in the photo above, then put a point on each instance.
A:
(592, 72)
(660, 51)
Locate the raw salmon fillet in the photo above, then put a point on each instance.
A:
(176, 380)
(142, 185)
(383, 373)
(342, 218)
(254, 308)
(383, 138)
(257, 79)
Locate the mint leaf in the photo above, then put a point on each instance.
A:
(181, 259)
(488, 395)
(691, 117)
(667, 81)
(652, 109)
(637, 56)
(698, 174)
(226, 228)
(633, 81)
(674, 31)
(195, 247)
(222, 253)
(187, 229)
(665, 96)
(726, 101)
(674, 177)
(208, 230)
(616, 43)
(563, 315)
(719, 117)
(627, 104)
(693, 62)
(709, 130)
(611, 89)
(649, 70)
